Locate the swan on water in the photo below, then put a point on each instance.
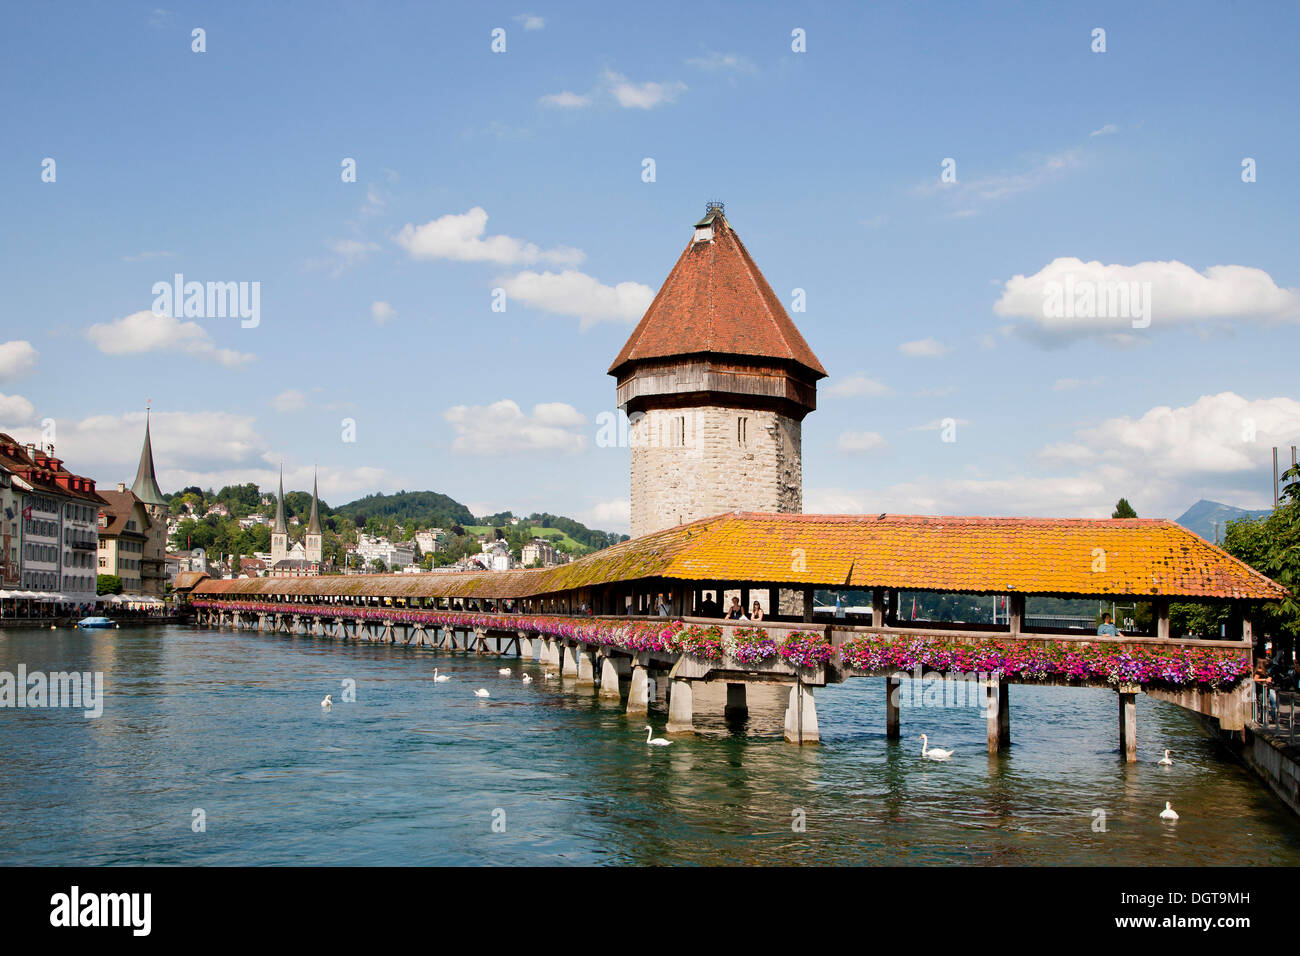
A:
(526, 679)
(503, 671)
(1166, 762)
(440, 678)
(932, 753)
(654, 741)
(482, 692)
(328, 702)
(550, 676)
(1168, 813)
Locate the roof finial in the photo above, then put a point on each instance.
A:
(714, 205)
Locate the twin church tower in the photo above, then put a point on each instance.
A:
(716, 381)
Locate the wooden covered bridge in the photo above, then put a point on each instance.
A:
(595, 619)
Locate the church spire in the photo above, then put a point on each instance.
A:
(313, 526)
(146, 485)
(280, 526)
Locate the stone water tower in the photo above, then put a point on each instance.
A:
(716, 381)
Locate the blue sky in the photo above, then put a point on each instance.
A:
(523, 170)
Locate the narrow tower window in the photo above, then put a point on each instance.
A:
(742, 428)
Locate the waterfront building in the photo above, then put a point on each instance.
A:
(49, 526)
(124, 525)
(430, 541)
(716, 381)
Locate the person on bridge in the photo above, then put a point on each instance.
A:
(736, 612)
(709, 607)
(1106, 628)
(757, 613)
(661, 607)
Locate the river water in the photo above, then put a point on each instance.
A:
(230, 724)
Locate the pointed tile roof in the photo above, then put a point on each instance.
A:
(280, 527)
(313, 525)
(716, 301)
(145, 486)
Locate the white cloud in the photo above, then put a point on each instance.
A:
(290, 400)
(924, 348)
(643, 96)
(146, 331)
(382, 312)
(1215, 435)
(502, 428)
(968, 195)
(346, 254)
(1178, 295)
(860, 441)
(1107, 130)
(566, 100)
(15, 410)
(460, 237)
(575, 293)
(1081, 496)
(17, 358)
(531, 22)
(613, 515)
(855, 386)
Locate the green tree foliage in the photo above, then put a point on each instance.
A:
(1123, 509)
(108, 584)
(425, 509)
(1271, 546)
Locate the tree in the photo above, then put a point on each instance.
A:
(1271, 545)
(378, 565)
(1124, 510)
(108, 584)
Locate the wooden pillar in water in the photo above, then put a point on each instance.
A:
(893, 690)
(681, 710)
(638, 695)
(1128, 723)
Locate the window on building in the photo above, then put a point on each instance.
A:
(742, 431)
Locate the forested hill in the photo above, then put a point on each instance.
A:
(426, 509)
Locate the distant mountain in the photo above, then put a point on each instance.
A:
(1201, 517)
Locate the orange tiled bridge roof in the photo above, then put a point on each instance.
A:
(1140, 558)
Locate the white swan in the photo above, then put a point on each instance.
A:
(550, 676)
(503, 671)
(526, 679)
(1168, 813)
(481, 692)
(653, 741)
(1165, 761)
(328, 702)
(933, 753)
(440, 678)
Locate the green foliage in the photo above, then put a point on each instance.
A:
(423, 509)
(108, 584)
(1123, 509)
(1271, 546)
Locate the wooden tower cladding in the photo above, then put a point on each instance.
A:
(716, 381)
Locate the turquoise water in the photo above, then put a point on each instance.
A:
(415, 772)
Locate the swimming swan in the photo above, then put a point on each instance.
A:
(440, 678)
(526, 679)
(504, 671)
(1166, 762)
(481, 692)
(328, 702)
(654, 741)
(933, 753)
(1168, 813)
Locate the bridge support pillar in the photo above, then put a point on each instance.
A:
(638, 696)
(1128, 738)
(998, 709)
(893, 691)
(525, 646)
(737, 704)
(569, 666)
(609, 679)
(586, 666)
(681, 708)
(801, 716)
